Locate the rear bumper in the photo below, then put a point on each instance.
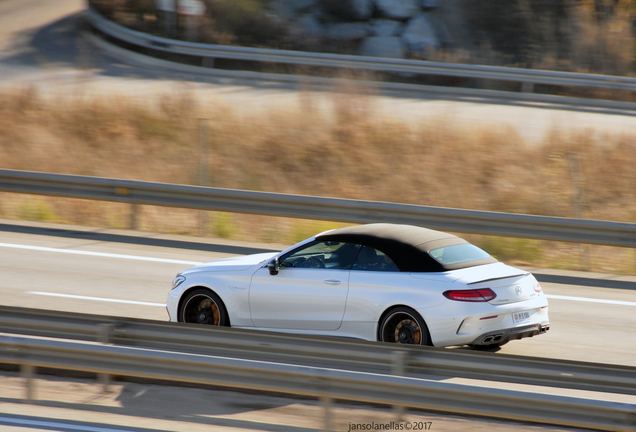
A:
(500, 337)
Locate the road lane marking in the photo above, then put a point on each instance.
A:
(591, 300)
(77, 297)
(22, 422)
(98, 254)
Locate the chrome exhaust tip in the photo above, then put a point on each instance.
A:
(492, 339)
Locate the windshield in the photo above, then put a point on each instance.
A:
(458, 254)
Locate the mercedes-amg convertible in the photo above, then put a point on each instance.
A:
(380, 282)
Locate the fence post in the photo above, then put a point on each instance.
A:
(134, 216)
(527, 87)
(27, 371)
(578, 201)
(204, 169)
(327, 403)
(104, 332)
(398, 367)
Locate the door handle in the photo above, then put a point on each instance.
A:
(332, 282)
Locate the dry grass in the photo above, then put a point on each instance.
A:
(345, 149)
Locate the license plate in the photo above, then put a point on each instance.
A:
(519, 317)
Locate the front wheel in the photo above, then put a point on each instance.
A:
(404, 326)
(202, 306)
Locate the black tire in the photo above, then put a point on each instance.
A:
(404, 326)
(202, 306)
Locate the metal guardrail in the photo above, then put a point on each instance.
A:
(319, 208)
(324, 352)
(317, 382)
(376, 64)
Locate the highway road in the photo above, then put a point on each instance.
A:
(128, 274)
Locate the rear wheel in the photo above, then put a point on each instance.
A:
(202, 306)
(404, 326)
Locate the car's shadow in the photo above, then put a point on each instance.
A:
(490, 349)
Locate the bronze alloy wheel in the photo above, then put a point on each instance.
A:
(404, 326)
(203, 307)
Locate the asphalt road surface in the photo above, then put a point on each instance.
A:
(128, 274)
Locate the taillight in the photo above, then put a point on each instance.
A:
(477, 295)
(537, 286)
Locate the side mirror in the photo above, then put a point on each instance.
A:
(273, 267)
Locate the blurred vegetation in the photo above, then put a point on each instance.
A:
(573, 35)
(223, 226)
(510, 248)
(226, 22)
(36, 209)
(241, 22)
(336, 145)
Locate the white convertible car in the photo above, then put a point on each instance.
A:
(384, 282)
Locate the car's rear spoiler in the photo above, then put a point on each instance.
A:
(524, 274)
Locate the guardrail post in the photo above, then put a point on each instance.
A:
(104, 334)
(578, 201)
(527, 87)
(27, 371)
(327, 403)
(398, 367)
(204, 168)
(134, 213)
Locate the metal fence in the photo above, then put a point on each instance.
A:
(320, 208)
(204, 54)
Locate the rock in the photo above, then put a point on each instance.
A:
(443, 35)
(307, 26)
(343, 10)
(398, 9)
(419, 35)
(430, 4)
(300, 6)
(362, 9)
(347, 31)
(383, 46)
(385, 27)
(282, 10)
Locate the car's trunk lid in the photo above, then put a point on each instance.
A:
(510, 284)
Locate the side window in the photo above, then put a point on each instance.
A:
(322, 254)
(370, 259)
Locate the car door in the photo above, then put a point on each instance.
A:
(308, 293)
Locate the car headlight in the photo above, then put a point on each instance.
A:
(178, 280)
